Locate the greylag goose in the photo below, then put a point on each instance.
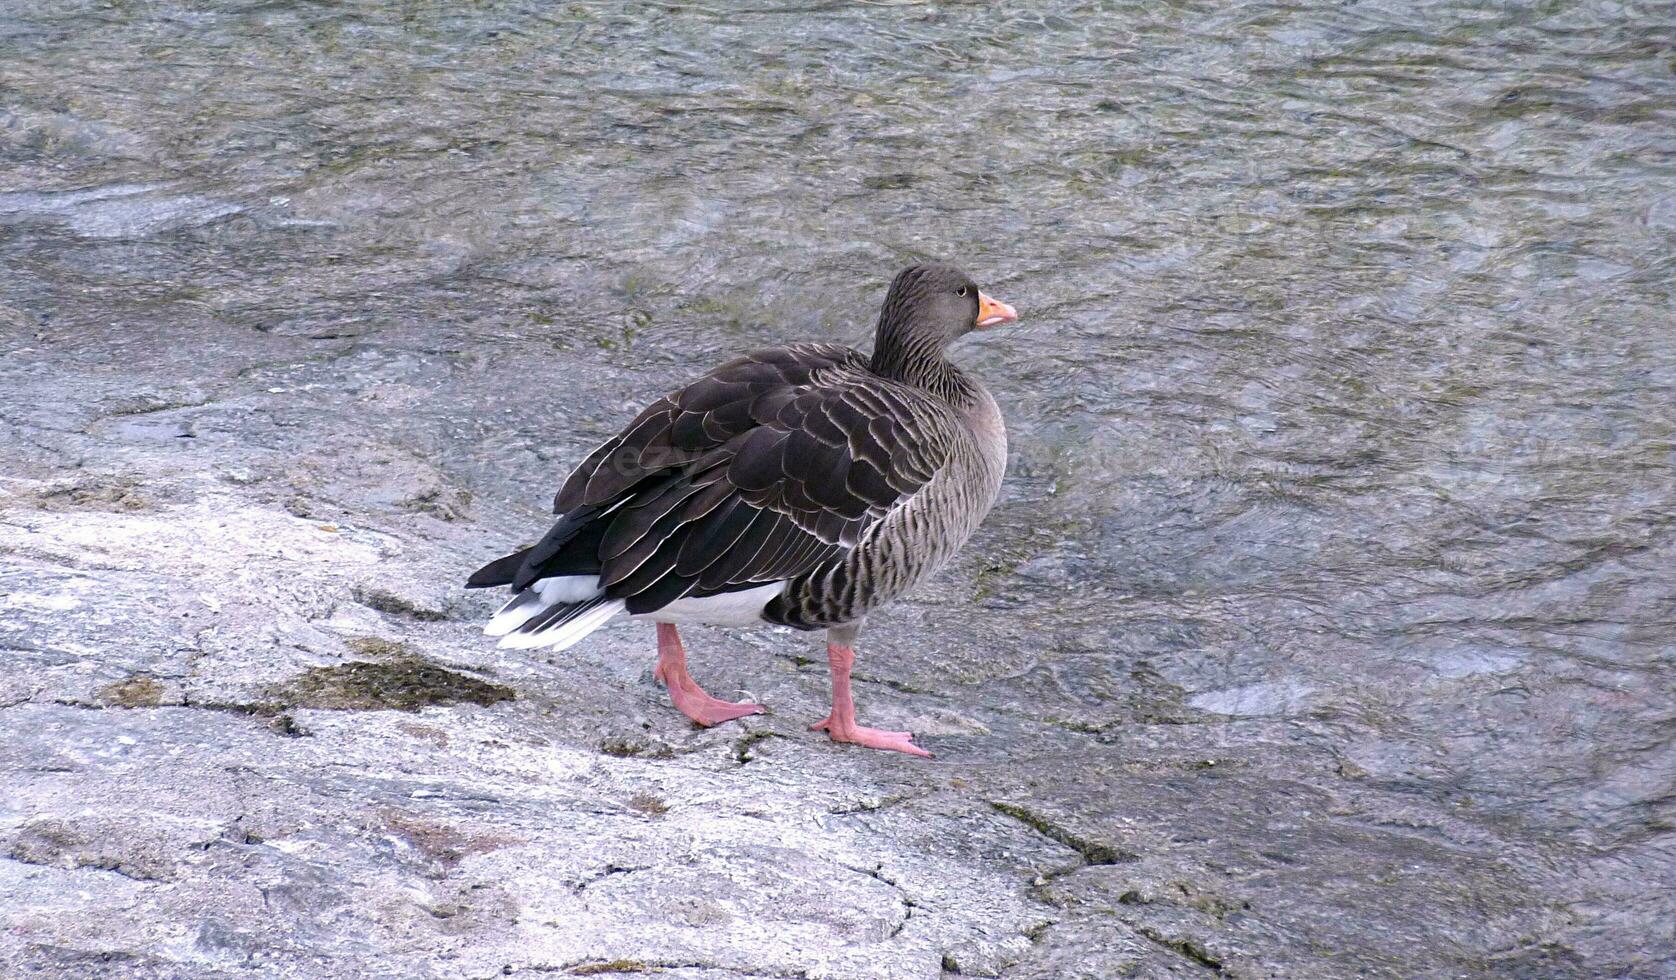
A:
(803, 485)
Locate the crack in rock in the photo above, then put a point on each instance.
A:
(1093, 852)
(908, 903)
(874, 804)
(1186, 948)
(609, 871)
(588, 968)
(742, 748)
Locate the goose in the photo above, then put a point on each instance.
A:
(804, 485)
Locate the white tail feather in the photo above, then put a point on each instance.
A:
(565, 635)
(541, 594)
(566, 588)
(514, 614)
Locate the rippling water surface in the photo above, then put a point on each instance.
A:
(1344, 396)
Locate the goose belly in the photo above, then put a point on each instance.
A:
(742, 608)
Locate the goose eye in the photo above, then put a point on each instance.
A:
(961, 291)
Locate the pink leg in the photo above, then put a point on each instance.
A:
(840, 724)
(672, 673)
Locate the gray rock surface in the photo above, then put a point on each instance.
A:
(1325, 628)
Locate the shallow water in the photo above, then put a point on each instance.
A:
(1344, 397)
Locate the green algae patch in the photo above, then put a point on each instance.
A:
(648, 805)
(405, 683)
(613, 966)
(389, 602)
(138, 691)
(378, 646)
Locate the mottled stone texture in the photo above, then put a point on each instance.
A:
(249, 725)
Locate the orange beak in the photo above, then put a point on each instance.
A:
(992, 312)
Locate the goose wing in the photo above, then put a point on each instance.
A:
(761, 471)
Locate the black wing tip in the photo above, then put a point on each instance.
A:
(501, 571)
(532, 560)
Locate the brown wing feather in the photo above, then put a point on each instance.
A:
(725, 401)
